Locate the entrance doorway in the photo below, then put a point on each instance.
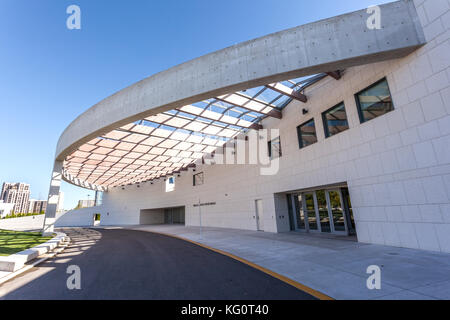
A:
(162, 216)
(259, 215)
(97, 217)
(174, 216)
(326, 211)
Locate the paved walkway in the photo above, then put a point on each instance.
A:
(128, 264)
(332, 266)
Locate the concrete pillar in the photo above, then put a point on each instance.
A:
(53, 198)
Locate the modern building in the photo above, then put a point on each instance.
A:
(37, 206)
(339, 127)
(5, 209)
(17, 193)
(86, 203)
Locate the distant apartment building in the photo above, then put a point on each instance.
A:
(17, 193)
(86, 203)
(37, 206)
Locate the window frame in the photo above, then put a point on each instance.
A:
(358, 102)
(299, 134)
(325, 121)
(269, 147)
(170, 187)
(193, 179)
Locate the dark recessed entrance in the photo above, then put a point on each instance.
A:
(174, 216)
(163, 216)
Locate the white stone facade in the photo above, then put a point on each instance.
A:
(397, 166)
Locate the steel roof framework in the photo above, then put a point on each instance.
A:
(170, 142)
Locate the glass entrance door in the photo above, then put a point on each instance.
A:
(348, 211)
(310, 206)
(324, 214)
(299, 216)
(326, 211)
(336, 211)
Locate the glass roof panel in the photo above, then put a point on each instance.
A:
(217, 108)
(192, 109)
(211, 115)
(180, 135)
(281, 101)
(177, 122)
(196, 126)
(160, 144)
(253, 91)
(211, 130)
(269, 95)
(116, 135)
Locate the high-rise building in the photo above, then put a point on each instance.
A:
(37, 206)
(17, 193)
(86, 203)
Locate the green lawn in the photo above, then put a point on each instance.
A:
(12, 242)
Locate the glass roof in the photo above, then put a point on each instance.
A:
(166, 143)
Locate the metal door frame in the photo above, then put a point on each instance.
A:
(307, 229)
(330, 212)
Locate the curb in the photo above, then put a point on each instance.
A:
(317, 294)
(18, 260)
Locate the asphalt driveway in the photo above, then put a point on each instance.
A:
(127, 264)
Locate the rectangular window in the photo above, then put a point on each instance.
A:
(335, 120)
(198, 179)
(307, 134)
(274, 148)
(170, 184)
(374, 101)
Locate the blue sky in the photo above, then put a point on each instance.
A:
(49, 74)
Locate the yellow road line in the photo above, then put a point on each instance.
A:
(314, 293)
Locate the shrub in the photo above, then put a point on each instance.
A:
(21, 215)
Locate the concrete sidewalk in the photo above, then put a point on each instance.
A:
(333, 266)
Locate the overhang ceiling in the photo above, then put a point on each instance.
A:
(170, 142)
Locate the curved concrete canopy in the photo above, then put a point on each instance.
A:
(331, 44)
(172, 141)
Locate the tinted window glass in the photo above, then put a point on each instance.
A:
(307, 134)
(274, 147)
(335, 120)
(198, 179)
(374, 101)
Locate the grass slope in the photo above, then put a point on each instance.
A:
(12, 241)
